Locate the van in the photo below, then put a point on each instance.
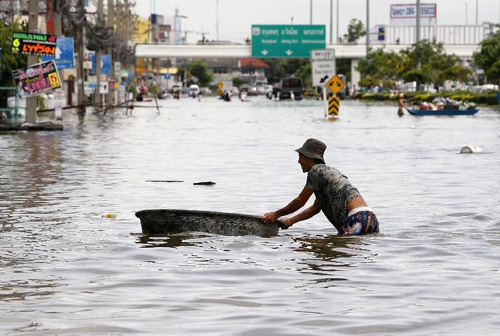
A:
(194, 90)
(291, 88)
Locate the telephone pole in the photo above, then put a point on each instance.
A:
(98, 55)
(367, 27)
(57, 18)
(110, 25)
(81, 57)
(33, 28)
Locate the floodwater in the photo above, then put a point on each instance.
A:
(433, 270)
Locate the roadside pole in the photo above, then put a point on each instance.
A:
(81, 56)
(325, 100)
(31, 102)
(98, 54)
(110, 25)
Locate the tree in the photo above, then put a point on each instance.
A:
(10, 61)
(381, 65)
(427, 62)
(355, 30)
(488, 58)
(199, 69)
(280, 68)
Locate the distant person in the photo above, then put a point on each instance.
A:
(339, 200)
(401, 104)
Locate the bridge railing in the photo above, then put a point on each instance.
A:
(446, 34)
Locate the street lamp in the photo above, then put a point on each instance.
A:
(311, 13)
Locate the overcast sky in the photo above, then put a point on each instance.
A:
(237, 16)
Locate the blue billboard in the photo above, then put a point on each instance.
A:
(105, 64)
(65, 53)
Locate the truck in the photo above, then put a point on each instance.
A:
(290, 88)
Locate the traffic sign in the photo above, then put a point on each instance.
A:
(105, 64)
(333, 105)
(335, 84)
(287, 41)
(65, 53)
(322, 66)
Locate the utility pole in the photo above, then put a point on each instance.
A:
(311, 12)
(33, 28)
(367, 27)
(81, 57)
(477, 12)
(57, 18)
(418, 21)
(98, 54)
(110, 25)
(337, 41)
(331, 21)
(217, 22)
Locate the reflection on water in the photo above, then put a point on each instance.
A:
(67, 270)
(171, 240)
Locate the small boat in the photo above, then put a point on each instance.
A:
(164, 221)
(442, 112)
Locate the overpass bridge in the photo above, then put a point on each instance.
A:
(353, 51)
(462, 40)
(350, 51)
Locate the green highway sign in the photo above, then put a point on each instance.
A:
(287, 41)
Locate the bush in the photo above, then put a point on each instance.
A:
(376, 96)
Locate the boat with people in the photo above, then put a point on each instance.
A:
(421, 112)
(444, 106)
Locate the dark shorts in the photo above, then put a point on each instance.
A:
(359, 223)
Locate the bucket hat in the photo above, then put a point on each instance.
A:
(313, 149)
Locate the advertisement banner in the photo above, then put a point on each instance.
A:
(36, 79)
(406, 14)
(34, 44)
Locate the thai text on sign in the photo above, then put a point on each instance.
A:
(36, 79)
(34, 44)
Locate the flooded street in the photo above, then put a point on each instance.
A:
(434, 269)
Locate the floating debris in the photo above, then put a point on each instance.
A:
(471, 150)
(207, 183)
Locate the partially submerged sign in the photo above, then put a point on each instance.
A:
(287, 41)
(322, 66)
(34, 44)
(335, 84)
(37, 79)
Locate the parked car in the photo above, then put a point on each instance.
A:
(194, 90)
(205, 90)
(250, 90)
(264, 89)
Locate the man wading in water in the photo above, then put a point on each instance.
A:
(339, 200)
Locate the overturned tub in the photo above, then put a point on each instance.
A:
(164, 221)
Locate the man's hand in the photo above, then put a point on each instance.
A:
(269, 217)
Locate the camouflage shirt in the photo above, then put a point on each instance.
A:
(332, 190)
